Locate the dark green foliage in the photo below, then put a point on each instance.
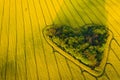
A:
(86, 42)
